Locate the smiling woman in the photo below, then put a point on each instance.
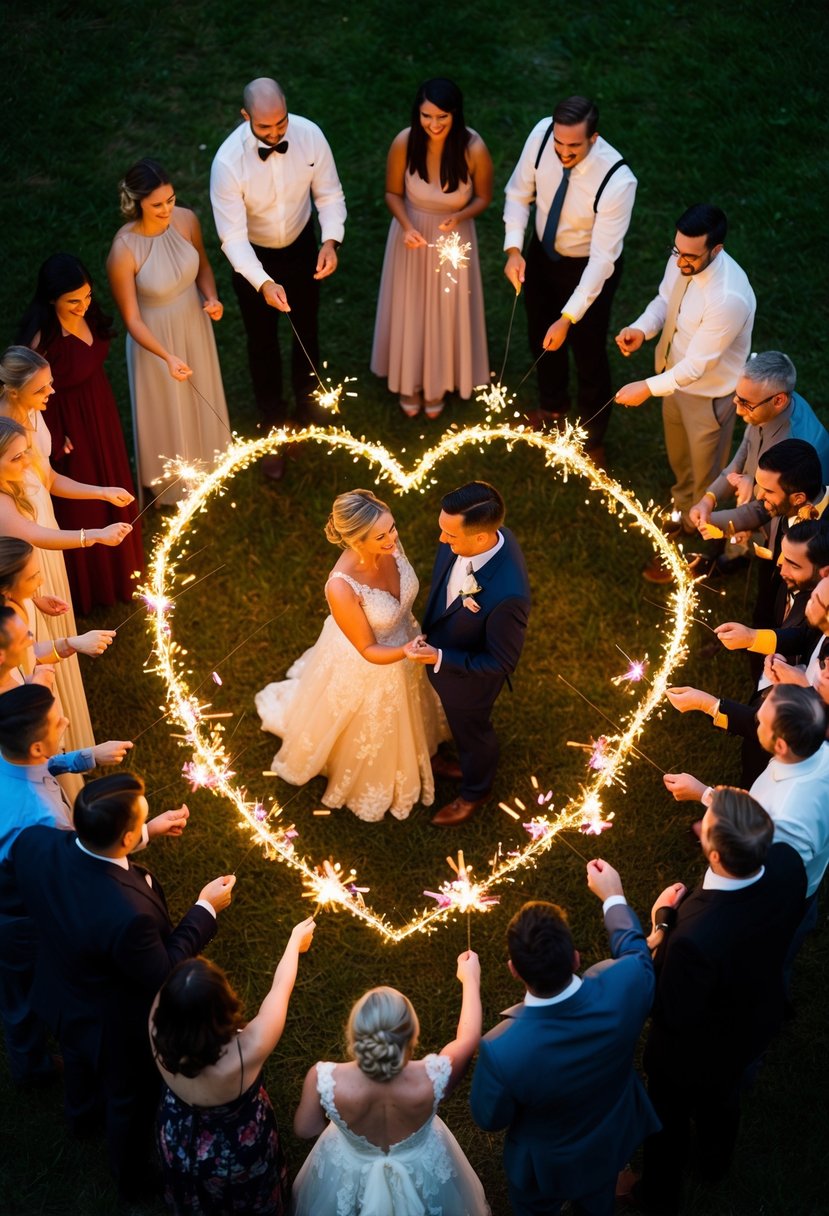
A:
(164, 286)
(352, 708)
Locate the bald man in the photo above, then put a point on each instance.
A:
(264, 179)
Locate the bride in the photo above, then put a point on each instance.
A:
(383, 1150)
(352, 708)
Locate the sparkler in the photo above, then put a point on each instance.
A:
(330, 883)
(451, 249)
(635, 672)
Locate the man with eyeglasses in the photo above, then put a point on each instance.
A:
(772, 411)
(704, 313)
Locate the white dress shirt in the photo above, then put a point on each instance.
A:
(581, 233)
(269, 202)
(796, 796)
(725, 882)
(712, 340)
(572, 988)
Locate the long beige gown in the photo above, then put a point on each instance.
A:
(169, 418)
(68, 680)
(430, 331)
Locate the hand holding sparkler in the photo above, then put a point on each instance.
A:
(557, 333)
(413, 239)
(735, 636)
(603, 880)
(218, 892)
(111, 752)
(684, 698)
(274, 296)
(515, 269)
(635, 393)
(169, 823)
(684, 787)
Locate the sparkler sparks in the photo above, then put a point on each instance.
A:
(329, 883)
(450, 249)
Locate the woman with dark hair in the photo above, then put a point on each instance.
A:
(383, 1150)
(65, 325)
(217, 1134)
(164, 287)
(430, 332)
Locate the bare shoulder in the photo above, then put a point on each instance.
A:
(401, 140)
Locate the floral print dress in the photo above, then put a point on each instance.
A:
(222, 1159)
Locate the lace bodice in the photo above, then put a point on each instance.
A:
(438, 1070)
(390, 619)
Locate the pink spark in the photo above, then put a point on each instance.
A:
(217, 679)
(443, 901)
(598, 756)
(537, 828)
(634, 673)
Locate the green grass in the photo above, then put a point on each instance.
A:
(727, 106)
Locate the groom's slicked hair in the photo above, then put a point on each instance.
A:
(479, 503)
(541, 947)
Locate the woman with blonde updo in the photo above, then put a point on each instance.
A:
(383, 1150)
(352, 709)
(163, 285)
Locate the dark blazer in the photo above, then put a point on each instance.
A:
(560, 1077)
(106, 940)
(719, 976)
(480, 649)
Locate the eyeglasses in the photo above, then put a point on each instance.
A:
(685, 257)
(750, 406)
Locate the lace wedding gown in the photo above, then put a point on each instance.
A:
(369, 728)
(426, 1174)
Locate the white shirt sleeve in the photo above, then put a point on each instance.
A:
(520, 189)
(721, 323)
(609, 229)
(230, 215)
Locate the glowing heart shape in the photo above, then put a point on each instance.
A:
(326, 882)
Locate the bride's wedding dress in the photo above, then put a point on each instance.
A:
(426, 1174)
(369, 728)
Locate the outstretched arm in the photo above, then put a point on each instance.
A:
(262, 1034)
(462, 1048)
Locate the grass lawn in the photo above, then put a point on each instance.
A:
(727, 105)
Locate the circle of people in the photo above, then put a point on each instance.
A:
(88, 947)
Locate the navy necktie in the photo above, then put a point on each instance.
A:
(282, 148)
(548, 240)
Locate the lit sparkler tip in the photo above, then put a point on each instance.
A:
(217, 679)
(451, 249)
(634, 674)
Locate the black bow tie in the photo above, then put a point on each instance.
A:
(282, 148)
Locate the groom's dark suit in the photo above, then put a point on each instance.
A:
(106, 946)
(480, 651)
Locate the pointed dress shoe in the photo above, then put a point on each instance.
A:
(457, 811)
(442, 767)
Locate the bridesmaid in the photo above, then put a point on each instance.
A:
(26, 478)
(164, 286)
(430, 331)
(65, 325)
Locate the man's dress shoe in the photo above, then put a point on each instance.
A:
(442, 767)
(457, 811)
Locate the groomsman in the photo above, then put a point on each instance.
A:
(583, 193)
(704, 313)
(264, 180)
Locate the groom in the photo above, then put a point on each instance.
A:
(473, 633)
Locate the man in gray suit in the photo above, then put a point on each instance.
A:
(558, 1073)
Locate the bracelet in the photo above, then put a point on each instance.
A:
(710, 494)
(83, 538)
(665, 918)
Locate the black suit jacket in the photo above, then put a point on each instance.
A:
(106, 940)
(719, 976)
(480, 649)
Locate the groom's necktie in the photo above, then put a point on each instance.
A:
(662, 354)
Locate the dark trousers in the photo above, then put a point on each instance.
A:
(715, 1113)
(26, 1046)
(478, 748)
(547, 289)
(122, 1085)
(598, 1203)
(293, 267)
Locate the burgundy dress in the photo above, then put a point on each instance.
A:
(83, 408)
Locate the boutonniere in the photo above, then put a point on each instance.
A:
(469, 586)
(808, 512)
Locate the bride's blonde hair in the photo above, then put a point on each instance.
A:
(352, 517)
(382, 1032)
(10, 430)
